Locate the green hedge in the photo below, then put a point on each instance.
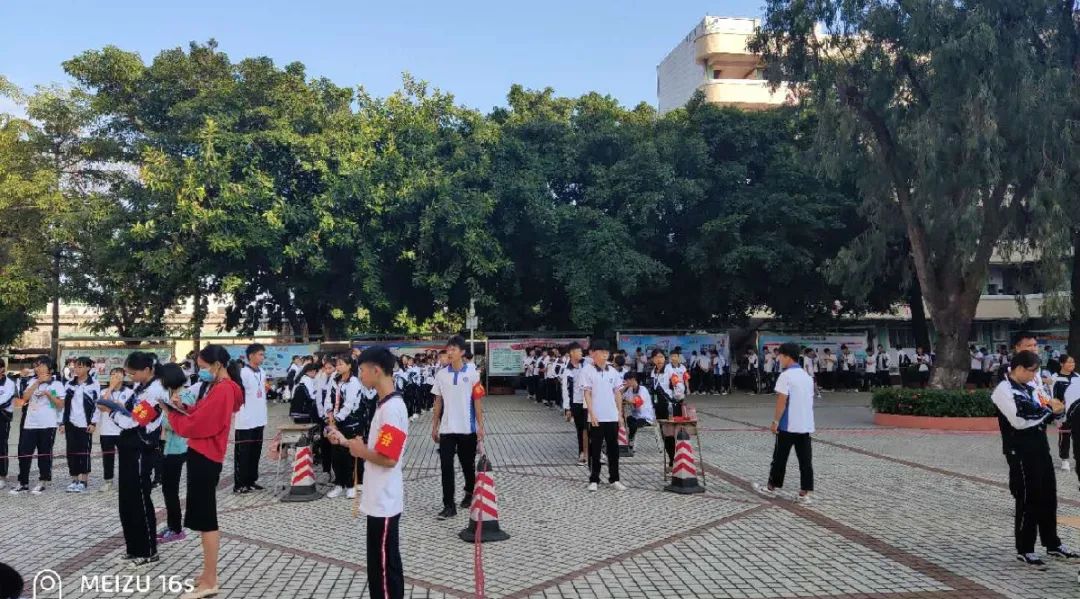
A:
(934, 402)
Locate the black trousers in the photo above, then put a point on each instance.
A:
(108, 454)
(1036, 498)
(465, 448)
(78, 441)
(883, 379)
(137, 517)
(326, 450)
(246, 456)
(1064, 440)
(172, 466)
(633, 424)
(346, 467)
(607, 434)
(40, 441)
(581, 424)
(782, 450)
(385, 574)
(5, 432)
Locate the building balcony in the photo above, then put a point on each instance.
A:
(726, 44)
(745, 93)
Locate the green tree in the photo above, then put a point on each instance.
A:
(944, 109)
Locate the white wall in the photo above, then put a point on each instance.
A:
(679, 75)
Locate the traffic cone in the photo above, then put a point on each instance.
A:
(303, 477)
(624, 443)
(684, 473)
(485, 509)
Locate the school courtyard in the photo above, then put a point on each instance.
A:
(899, 514)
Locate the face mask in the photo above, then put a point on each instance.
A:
(206, 376)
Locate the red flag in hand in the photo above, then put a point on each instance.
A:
(686, 376)
(390, 442)
(638, 402)
(143, 413)
(675, 380)
(478, 391)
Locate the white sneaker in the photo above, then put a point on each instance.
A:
(73, 487)
(80, 487)
(618, 486)
(414, 417)
(1066, 466)
(38, 489)
(804, 499)
(350, 493)
(18, 489)
(3, 483)
(105, 488)
(593, 487)
(764, 490)
(335, 492)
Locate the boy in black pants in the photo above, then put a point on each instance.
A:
(793, 424)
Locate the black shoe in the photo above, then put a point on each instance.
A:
(241, 490)
(447, 513)
(143, 561)
(1032, 560)
(256, 487)
(466, 503)
(1062, 552)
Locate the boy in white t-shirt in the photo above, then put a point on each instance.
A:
(792, 426)
(602, 387)
(383, 498)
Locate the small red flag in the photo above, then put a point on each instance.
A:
(686, 376)
(390, 442)
(638, 402)
(675, 380)
(478, 391)
(143, 413)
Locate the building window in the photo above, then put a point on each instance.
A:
(716, 74)
(901, 337)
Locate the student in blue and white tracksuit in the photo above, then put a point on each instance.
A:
(346, 413)
(793, 424)
(137, 448)
(1023, 418)
(42, 403)
(80, 418)
(8, 395)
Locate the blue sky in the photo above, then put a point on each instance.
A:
(473, 48)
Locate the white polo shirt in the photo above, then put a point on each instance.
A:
(42, 413)
(384, 488)
(455, 388)
(798, 415)
(253, 413)
(603, 384)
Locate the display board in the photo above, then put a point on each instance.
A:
(278, 357)
(107, 358)
(855, 342)
(689, 343)
(506, 356)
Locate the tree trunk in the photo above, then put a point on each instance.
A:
(920, 329)
(1074, 292)
(54, 346)
(198, 317)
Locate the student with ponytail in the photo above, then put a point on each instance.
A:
(139, 421)
(346, 414)
(206, 428)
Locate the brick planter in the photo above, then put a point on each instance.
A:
(941, 423)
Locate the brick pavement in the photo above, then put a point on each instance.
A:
(901, 514)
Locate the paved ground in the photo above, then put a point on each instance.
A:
(901, 514)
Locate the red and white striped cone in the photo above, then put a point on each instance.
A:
(684, 472)
(303, 477)
(624, 443)
(485, 509)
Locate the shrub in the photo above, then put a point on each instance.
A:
(934, 402)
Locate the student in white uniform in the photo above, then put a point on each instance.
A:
(573, 400)
(458, 423)
(383, 499)
(882, 367)
(1064, 379)
(80, 418)
(42, 404)
(641, 406)
(602, 387)
(140, 424)
(109, 431)
(250, 422)
(8, 395)
(348, 418)
(793, 424)
(660, 378)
